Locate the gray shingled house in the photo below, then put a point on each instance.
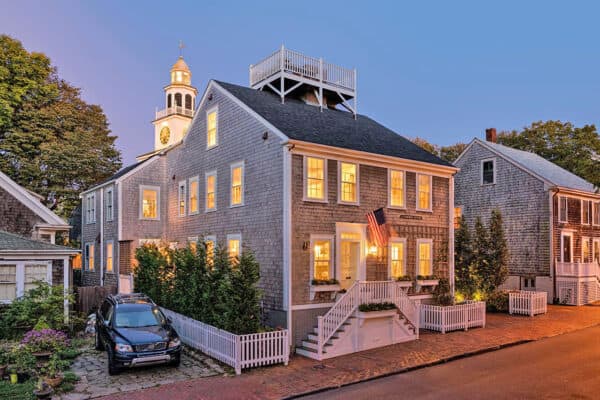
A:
(279, 169)
(551, 217)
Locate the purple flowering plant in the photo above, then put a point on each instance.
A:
(45, 340)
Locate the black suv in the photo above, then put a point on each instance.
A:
(134, 332)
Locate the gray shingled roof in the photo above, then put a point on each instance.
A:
(12, 242)
(543, 168)
(304, 122)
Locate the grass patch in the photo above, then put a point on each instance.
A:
(20, 391)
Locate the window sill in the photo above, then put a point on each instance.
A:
(194, 213)
(236, 205)
(396, 207)
(210, 210)
(488, 184)
(149, 219)
(333, 289)
(424, 210)
(309, 200)
(346, 203)
(212, 147)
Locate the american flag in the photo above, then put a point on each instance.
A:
(377, 227)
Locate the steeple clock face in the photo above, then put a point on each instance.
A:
(165, 134)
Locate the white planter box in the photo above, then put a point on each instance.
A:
(527, 303)
(362, 315)
(404, 284)
(450, 318)
(428, 282)
(333, 289)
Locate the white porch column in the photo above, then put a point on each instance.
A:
(451, 234)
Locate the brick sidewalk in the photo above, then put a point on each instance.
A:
(304, 375)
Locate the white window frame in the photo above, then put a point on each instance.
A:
(182, 184)
(214, 109)
(190, 181)
(389, 188)
(110, 255)
(332, 258)
(419, 242)
(562, 253)
(212, 239)
(405, 253)
(566, 216)
(90, 208)
(581, 203)
(110, 204)
(305, 197)
(20, 275)
(590, 248)
(239, 164)
(595, 213)
(141, 205)
(417, 175)
(206, 176)
(357, 183)
(86, 260)
(493, 160)
(234, 236)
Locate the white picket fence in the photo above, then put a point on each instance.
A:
(450, 318)
(237, 351)
(527, 303)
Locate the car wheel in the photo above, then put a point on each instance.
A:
(112, 368)
(176, 362)
(97, 343)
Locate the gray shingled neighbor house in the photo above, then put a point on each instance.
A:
(278, 169)
(551, 217)
(28, 231)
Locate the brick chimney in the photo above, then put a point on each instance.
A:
(490, 135)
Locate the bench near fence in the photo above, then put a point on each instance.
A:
(527, 303)
(450, 318)
(237, 351)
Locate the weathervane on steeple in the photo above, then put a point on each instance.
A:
(181, 46)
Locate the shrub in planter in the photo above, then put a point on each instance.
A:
(46, 340)
(53, 371)
(497, 301)
(368, 307)
(24, 363)
(404, 278)
(426, 277)
(442, 294)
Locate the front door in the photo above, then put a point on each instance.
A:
(349, 260)
(350, 245)
(566, 247)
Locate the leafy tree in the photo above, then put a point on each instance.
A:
(425, 145)
(498, 252)
(451, 153)
(244, 298)
(481, 255)
(51, 141)
(466, 277)
(576, 149)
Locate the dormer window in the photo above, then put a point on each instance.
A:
(488, 172)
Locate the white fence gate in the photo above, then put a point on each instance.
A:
(237, 351)
(527, 303)
(450, 318)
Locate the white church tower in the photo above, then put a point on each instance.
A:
(171, 123)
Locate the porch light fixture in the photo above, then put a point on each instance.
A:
(372, 250)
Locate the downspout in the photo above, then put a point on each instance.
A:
(451, 234)
(102, 237)
(287, 237)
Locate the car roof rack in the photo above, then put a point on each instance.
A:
(131, 298)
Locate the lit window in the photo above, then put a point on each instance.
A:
(596, 213)
(193, 243)
(488, 173)
(194, 188)
(91, 208)
(211, 129)
(424, 252)
(397, 258)
(8, 282)
(457, 216)
(585, 212)
(397, 193)
(181, 199)
(424, 192)
(109, 204)
(89, 256)
(109, 256)
(237, 184)
(348, 182)
(211, 188)
(234, 245)
(563, 209)
(586, 255)
(149, 206)
(315, 178)
(211, 243)
(321, 249)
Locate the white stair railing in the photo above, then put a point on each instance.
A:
(407, 307)
(329, 323)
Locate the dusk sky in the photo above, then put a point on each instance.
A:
(443, 71)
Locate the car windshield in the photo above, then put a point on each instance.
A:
(138, 316)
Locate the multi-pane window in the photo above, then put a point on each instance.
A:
(211, 129)
(424, 192)
(397, 258)
(193, 243)
(90, 207)
(457, 216)
(34, 273)
(194, 194)
(586, 254)
(488, 175)
(596, 213)
(109, 204)
(315, 178)
(563, 209)
(211, 188)
(237, 184)
(109, 256)
(211, 243)
(149, 203)
(89, 256)
(322, 259)
(424, 254)
(586, 212)
(397, 191)
(234, 246)
(181, 199)
(8, 282)
(348, 182)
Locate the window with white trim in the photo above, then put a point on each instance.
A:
(181, 200)
(89, 256)
(348, 186)
(563, 209)
(586, 212)
(321, 257)
(315, 184)
(424, 257)
(211, 190)
(211, 129)
(210, 242)
(149, 202)
(397, 258)
(237, 184)
(110, 252)
(234, 246)
(586, 250)
(397, 192)
(488, 171)
(90, 207)
(194, 195)
(8, 282)
(109, 204)
(596, 213)
(423, 192)
(457, 216)
(33, 274)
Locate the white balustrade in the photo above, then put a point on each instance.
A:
(174, 110)
(578, 269)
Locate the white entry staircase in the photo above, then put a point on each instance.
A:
(344, 329)
(577, 283)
